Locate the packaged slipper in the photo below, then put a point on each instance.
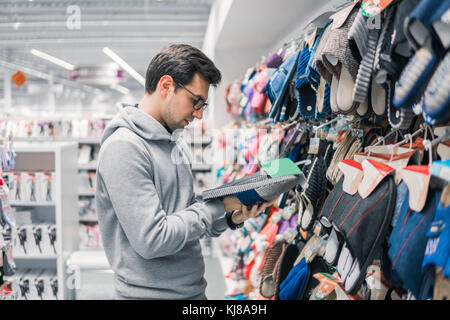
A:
(361, 226)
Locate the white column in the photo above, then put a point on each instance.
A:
(7, 95)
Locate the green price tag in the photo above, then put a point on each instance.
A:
(281, 167)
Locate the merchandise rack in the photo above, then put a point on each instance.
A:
(60, 157)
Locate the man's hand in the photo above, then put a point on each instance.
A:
(245, 213)
(231, 203)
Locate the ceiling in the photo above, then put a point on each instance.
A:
(134, 29)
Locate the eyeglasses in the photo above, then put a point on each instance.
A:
(199, 102)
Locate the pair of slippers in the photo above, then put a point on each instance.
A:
(335, 62)
(312, 197)
(278, 85)
(313, 91)
(346, 150)
(408, 241)
(425, 74)
(256, 188)
(357, 228)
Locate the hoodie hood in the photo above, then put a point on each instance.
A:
(140, 123)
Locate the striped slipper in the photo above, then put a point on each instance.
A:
(306, 94)
(414, 78)
(256, 188)
(358, 36)
(436, 101)
(364, 77)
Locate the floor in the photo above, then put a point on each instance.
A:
(98, 285)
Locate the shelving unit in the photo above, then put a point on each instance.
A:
(60, 157)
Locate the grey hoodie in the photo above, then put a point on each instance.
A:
(149, 220)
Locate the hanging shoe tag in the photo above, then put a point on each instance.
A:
(281, 167)
(371, 8)
(314, 145)
(353, 174)
(374, 173)
(417, 178)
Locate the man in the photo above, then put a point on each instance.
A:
(149, 219)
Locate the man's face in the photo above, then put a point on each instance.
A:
(179, 110)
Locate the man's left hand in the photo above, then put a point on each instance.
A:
(239, 216)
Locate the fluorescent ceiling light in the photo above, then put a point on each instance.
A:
(29, 71)
(124, 65)
(120, 88)
(52, 59)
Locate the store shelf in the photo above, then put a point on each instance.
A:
(81, 140)
(88, 166)
(31, 204)
(34, 257)
(60, 158)
(89, 220)
(86, 194)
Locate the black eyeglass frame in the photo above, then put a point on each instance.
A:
(199, 103)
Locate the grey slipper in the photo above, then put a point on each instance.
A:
(334, 58)
(363, 79)
(358, 36)
(256, 188)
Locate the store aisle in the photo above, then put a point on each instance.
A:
(214, 276)
(98, 285)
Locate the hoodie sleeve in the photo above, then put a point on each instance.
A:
(218, 226)
(127, 178)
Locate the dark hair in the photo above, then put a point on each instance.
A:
(181, 62)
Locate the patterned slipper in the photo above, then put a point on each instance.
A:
(414, 78)
(436, 102)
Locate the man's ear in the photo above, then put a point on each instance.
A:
(166, 85)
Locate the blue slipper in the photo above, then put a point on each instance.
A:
(306, 94)
(436, 101)
(279, 83)
(414, 78)
(419, 24)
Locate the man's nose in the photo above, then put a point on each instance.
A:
(198, 114)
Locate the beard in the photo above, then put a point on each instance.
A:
(170, 123)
